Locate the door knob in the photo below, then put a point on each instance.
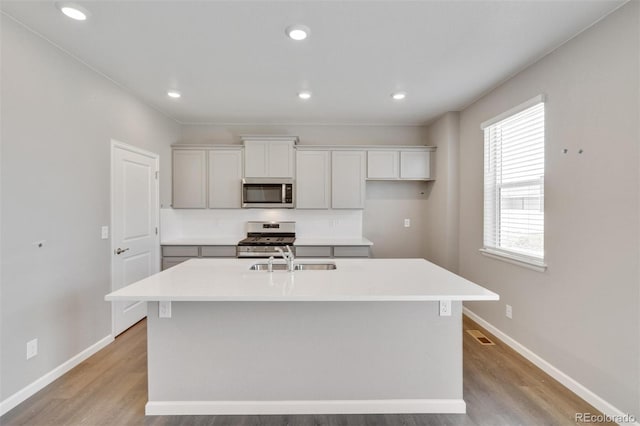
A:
(120, 251)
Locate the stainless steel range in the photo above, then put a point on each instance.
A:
(264, 237)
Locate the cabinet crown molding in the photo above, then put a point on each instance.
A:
(205, 146)
(269, 138)
(366, 147)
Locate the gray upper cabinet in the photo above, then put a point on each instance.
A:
(189, 189)
(269, 158)
(313, 174)
(225, 178)
(348, 171)
(383, 164)
(400, 164)
(415, 165)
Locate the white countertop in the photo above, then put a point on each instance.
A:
(232, 241)
(332, 242)
(224, 241)
(353, 280)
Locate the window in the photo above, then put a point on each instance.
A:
(514, 184)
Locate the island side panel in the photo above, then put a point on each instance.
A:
(304, 351)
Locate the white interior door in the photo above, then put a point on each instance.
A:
(134, 222)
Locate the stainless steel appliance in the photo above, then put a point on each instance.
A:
(265, 238)
(267, 193)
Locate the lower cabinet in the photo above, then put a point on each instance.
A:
(168, 262)
(351, 251)
(174, 255)
(333, 251)
(311, 251)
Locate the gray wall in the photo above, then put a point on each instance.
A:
(58, 117)
(308, 134)
(441, 210)
(582, 315)
(387, 203)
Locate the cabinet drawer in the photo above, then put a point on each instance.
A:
(168, 262)
(218, 251)
(185, 251)
(351, 251)
(313, 251)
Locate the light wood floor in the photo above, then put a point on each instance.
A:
(110, 388)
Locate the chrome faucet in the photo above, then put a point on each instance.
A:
(288, 257)
(270, 264)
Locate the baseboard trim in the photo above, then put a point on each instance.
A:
(30, 390)
(573, 385)
(382, 406)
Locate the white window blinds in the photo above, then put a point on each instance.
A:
(514, 182)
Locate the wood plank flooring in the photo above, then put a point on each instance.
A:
(110, 388)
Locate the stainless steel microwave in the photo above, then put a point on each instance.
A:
(267, 193)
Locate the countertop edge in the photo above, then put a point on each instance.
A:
(300, 242)
(456, 298)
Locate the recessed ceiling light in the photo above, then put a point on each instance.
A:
(297, 32)
(174, 94)
(73, 11)
(398, 96)
(304, 95)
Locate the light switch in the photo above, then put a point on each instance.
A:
(105, 232)
(407, 223)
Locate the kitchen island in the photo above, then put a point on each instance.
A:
(371, 336)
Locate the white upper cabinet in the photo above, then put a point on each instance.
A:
(225, 178)
(269, 158)
(313, 174)
(415, 165)
(383, 164)
(189, 189)
(348, 171)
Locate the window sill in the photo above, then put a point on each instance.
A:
(536, 265)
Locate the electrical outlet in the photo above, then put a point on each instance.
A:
(164, 309)
(105, 232)
(445, 308)
(407, 223)
(509, 311)
(32, 348)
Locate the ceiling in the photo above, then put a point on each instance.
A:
(233, 62)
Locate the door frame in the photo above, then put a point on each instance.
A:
(115, 144)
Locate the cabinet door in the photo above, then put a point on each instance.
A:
(189, 179)
(415, 165)
(312, 179)
(280, 159)
(225, 177)
(347, 179)
(255, 159)
(382, 164)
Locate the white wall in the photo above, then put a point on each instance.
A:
(582, 315)
(387, 203)
(58, 117)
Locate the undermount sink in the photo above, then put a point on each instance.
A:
(265, 267)
(296, 267)
(314, 266)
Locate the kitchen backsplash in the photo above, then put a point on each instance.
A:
(196, 223)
